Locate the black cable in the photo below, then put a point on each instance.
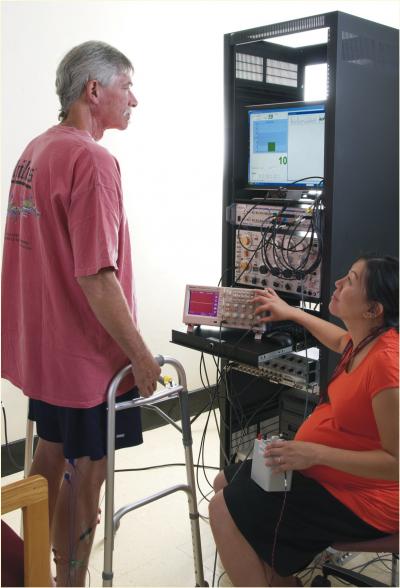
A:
(219, 379)
(361, 567)
(202, 441)
(278, 237)
(205, 407)
(248, 262)
(163, 465)
(206, 386)
(216, 395)
(216, 390)
(203, 444)
(279, 241)
(72, 532)
(322, 178)
(214, 568)
(235, 406)
(220, 578)
(307, 364)
(269, 402)
(199, 465)
(383, 562)
(228, 269)
(222, 375)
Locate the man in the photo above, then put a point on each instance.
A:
(69, 321)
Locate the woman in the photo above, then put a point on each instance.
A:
(344, 456)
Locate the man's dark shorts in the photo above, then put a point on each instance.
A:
(83, 431)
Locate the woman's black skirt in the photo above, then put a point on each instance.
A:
(311, 519)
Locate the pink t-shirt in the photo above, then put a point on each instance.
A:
(65, 219)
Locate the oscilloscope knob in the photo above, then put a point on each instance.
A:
(245, 240)
(263, 269)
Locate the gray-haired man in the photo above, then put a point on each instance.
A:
(69, 320)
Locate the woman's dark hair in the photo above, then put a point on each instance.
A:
(382, 285)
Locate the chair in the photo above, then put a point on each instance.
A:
(387, 544)
(30, 494)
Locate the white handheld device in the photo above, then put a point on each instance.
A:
(263, 475)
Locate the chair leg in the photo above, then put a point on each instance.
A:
(356, 579)
(28, 448)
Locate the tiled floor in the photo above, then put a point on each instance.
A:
(153, 544)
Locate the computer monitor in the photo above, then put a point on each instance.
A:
(286, 144)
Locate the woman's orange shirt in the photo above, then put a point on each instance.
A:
(348, 422)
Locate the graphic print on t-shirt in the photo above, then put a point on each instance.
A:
(21, 202)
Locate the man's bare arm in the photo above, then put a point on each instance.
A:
(107, 301)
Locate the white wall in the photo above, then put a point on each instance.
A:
(171, 156)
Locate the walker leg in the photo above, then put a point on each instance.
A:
(192, 502)
(27, 458)
(28, 447)
(109, 493)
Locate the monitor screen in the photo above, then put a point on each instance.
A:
(203, 303)
(287, 144)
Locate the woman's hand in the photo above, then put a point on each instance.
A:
(275, 308)
(291, 455)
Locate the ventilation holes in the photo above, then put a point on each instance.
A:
(295, 26)
(249, 67)
(281, 72)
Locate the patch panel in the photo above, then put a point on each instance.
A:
(291, 370)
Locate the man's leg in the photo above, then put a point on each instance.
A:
(75, 519)
(49, 462)
(239, 559)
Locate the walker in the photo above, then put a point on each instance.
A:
(112, 519)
